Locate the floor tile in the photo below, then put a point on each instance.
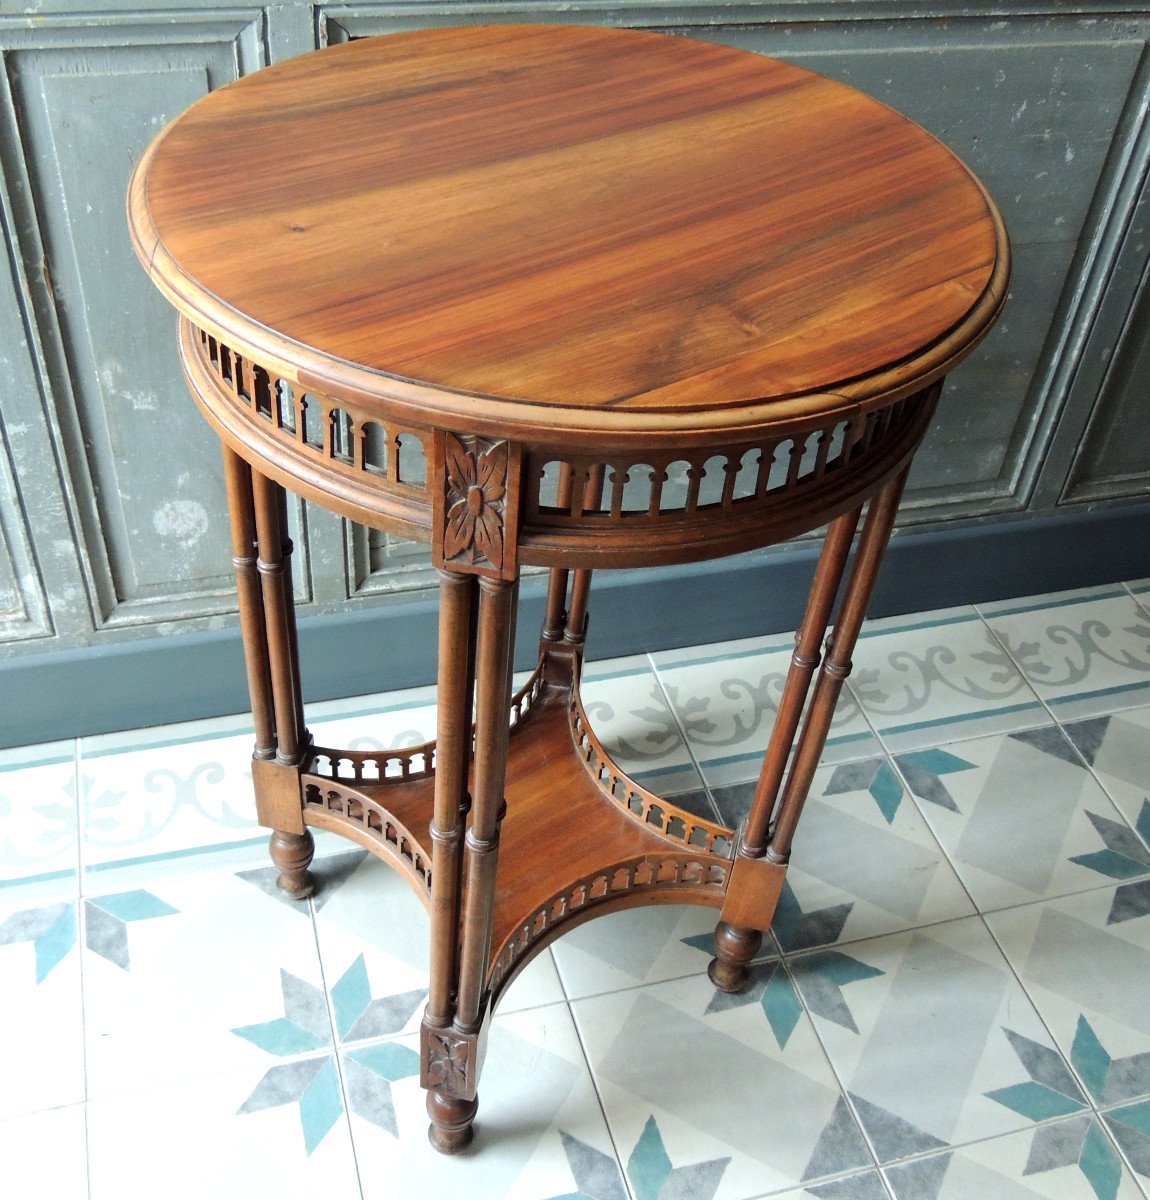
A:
(41, 1038)
(938, 675)
(176, 800)
(726, 697)
(1072, 1159)
(45, 1155)
(868, 1185)
(374, 940)
(864, 863)
(716, 1096)
(1022, 818)
(156, 795)
(39, 850)
(285, 1034)
(1129, 1126)
(934, 1039)
(1117, 748)
(193, 976)
(1084, 652)
(629, 714)
(237, 1134)
(1085, 962)
(638, 946)
(539, 1132)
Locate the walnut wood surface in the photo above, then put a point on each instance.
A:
(560, 827)
(589, 232)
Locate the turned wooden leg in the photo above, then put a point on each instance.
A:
(451, 1035)
(451, 1128)
(770, 826)
(735, 946)
(805, 661)
(451, 1114)
(249, 596)
(292, 854)
(261, 556)
(836, 665)
(555, 616)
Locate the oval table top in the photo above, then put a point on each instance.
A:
(571, 232)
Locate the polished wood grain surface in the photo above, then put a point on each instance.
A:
(578, 220)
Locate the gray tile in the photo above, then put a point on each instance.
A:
(1021, 817)
(1129, 1125)
(1084, 652)
(686, 1082)
(938, 677)
(1070, 1160)
(864, 862)
(1085, 963)
(539, 1130)
(1117, 748)
(921, 1040)
(628, 711)
(726, 698)
(640, 945)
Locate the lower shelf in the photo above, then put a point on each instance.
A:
(570, 848)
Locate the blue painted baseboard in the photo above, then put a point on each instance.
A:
(130, 685)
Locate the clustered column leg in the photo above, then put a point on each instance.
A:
(451, 1055)
(565, 619)
(576, 631)
(277, 782)
(451, 1115)
(765, 834)
(261, 555)
(556, 613)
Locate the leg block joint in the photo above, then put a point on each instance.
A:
(753, 892)
(450, 1061)
(278, 801)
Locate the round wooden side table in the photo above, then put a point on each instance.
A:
(572, 298)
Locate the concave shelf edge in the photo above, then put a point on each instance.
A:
(580, 838)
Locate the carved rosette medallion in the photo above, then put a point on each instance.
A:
(449, 1062)
(477, 506)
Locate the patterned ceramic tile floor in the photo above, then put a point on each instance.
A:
(952, 1005)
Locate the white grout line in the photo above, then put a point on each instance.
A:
(1122, 1156)
(1092, 1109)
(78, 789)
(87, 1152)
(1058, 723)
(1018, 666)
(602, 1107)
(840, 1082)
(81, 817)
(335, 1043)
(81, 864)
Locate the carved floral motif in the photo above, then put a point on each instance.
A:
(448, 1061)
(477, 524)
(476, 487)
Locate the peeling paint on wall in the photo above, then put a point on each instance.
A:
(184, 521)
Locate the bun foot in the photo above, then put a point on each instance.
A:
(735, 946)
(451, 1127)
(292, 853)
